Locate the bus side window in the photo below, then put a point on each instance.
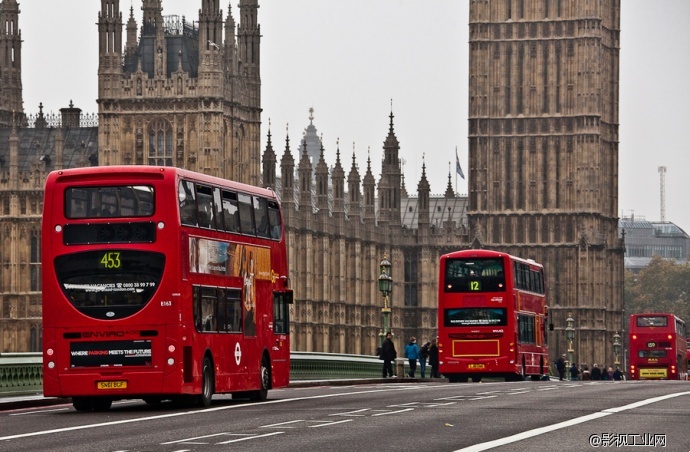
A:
(274, 220)
(204, 196)
(261, 217)
(208, 309)
(217, 209)
(185, 194)
(246, 214)
(281, 311)
(233, 311)
(230, 212)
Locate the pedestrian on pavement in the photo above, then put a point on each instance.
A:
(574, 372)
(596, 372)
(560, 367)
(388, 354)
(617, 374)
(412, 355)
(423, 356)
(433, 359)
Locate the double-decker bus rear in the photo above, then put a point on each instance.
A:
(657, 347)
(123, 307)
(491, 316)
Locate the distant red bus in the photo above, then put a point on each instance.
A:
(687, 357)
(492, 315)
(161, 284)
(657, 347)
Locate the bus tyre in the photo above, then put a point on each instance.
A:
(206, 383)
(265, 374)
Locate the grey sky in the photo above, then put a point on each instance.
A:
(348, 59)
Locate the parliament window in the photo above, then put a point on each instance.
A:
(160, 143)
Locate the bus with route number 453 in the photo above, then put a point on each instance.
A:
(162, 284)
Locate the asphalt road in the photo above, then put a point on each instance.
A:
(409, 416)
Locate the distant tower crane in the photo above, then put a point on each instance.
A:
(662, 183)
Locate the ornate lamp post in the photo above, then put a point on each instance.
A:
(570, 335)
(617, 348)
(385, 286)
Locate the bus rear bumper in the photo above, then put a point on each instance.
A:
(117, 385)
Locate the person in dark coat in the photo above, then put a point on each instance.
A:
(560, 367)
(617, 374)
(596, 372)
(433, 359)
(388, 355)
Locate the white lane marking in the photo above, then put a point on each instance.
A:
(351, 413)
(392, 412)
(282, 424)
(251, 437)
(578, 420)
(327, 424)
(40, 411)
(191, 413)
(186, 440)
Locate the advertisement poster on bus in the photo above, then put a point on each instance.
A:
(248, 262)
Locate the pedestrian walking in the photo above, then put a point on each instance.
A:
(388, 355)
(412, 355)
(596, 372)
(617, 374)
(433, 359)
(560, 367)
(423, 356)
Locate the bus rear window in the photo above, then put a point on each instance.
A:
(475, 317)
(109, 284)
(474, 275)
(124, 201)
(652, 321)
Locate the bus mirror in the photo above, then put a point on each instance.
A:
(550, 326)
(288, 297)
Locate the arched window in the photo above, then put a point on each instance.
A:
(160, 143)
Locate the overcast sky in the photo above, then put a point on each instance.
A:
(350, 59)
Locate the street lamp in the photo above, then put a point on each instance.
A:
(570, 335)
(617, 347)
(385, 286)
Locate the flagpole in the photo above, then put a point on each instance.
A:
(456, 171)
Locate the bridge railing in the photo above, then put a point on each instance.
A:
(20, 373)
(23, 372)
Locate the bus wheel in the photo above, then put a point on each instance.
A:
(85, 404)
(206, 383)
(262, 394)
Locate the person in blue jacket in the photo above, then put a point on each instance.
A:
(412, 355)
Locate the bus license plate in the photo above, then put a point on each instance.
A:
(475, 366)
(653, 373)
(111, 385)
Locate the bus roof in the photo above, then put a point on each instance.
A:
(127, 171)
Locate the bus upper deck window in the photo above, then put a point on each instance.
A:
(187, 200)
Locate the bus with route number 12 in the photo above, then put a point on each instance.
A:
(657, 347)
(492, 317)
(162, 284)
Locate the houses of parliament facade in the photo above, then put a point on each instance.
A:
(543, 166)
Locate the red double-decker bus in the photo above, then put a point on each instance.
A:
(162, 284)
(657, 347)
(492, 315)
